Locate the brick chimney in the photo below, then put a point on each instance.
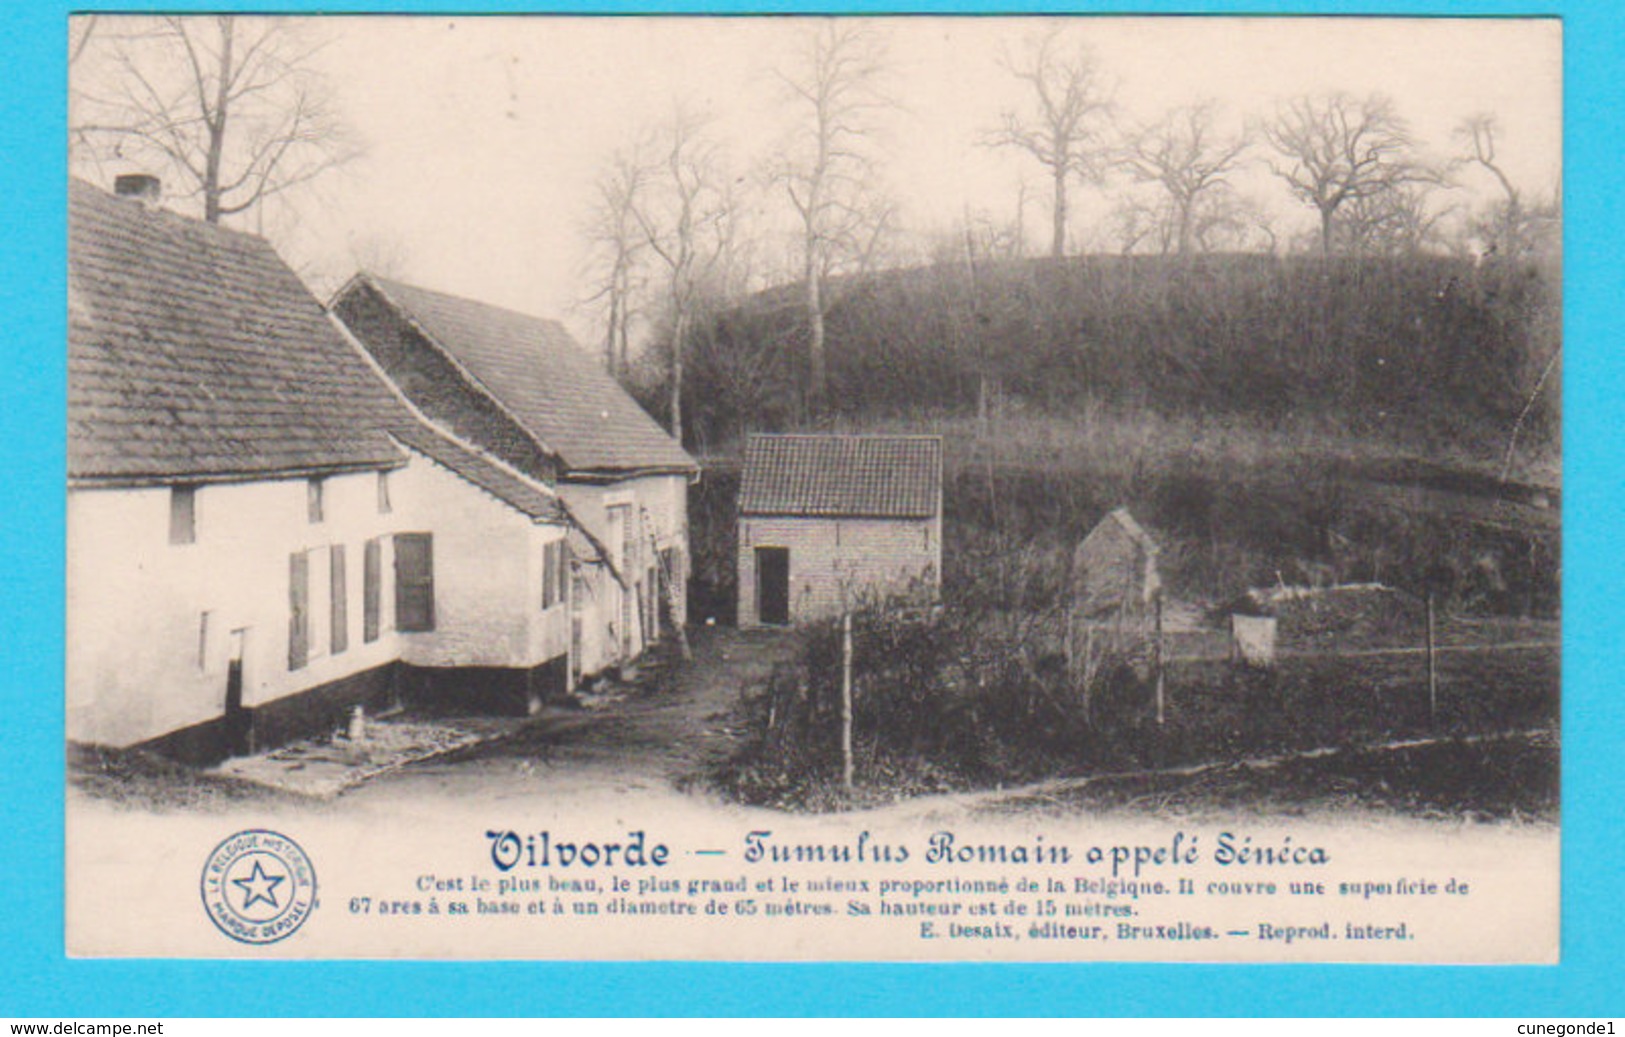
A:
(143, 187)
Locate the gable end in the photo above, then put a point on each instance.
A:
(434, 384)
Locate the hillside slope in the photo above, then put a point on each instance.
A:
(1432, 352)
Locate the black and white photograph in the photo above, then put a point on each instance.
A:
(941, 488)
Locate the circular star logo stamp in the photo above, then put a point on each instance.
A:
(258, 886)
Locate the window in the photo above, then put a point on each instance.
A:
(298, 610)
(182, 514)
(384, 507)
(339, 614)
(372, 579)
(313, 500)
(414, 582)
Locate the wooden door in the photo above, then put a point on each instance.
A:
(773, 585)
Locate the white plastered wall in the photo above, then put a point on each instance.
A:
(658, 507)
(487, 576)
(142, 661)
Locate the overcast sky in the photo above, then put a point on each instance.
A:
(484, 135)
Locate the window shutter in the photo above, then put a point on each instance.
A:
(372, 578)
(549, 576)
(563, 572)
(414, 582)
(340, 612)
(298, 610)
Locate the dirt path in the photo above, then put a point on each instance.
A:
(654, 738)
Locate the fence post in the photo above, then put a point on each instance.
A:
(1433, 668)
(1158, 659)
(846, 701)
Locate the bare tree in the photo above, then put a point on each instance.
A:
(1063, 128)
(744, 362)
(618, 239)
(835, 87)
(1338, 149)
(1229, 220)
(1401, 221)
(1190, 161)
(1477, 135)
(1219, 221)
(229, 104)
(1135, 222)
(1510, 226)
(81, 28)
(684, 216)
(1510, 229)
(384, 253)
(987, 235)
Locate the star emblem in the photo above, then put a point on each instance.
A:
(259, 886)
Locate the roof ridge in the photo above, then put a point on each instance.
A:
(161, 212)
(467, 300)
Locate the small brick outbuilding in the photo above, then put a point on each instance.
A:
(830, 522)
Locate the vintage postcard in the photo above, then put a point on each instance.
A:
(814, 488)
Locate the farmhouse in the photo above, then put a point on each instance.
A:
(519, 387)
(829, 522)
(261, 533)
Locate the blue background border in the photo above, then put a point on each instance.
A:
(36, 979)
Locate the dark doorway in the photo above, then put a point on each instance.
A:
(773, 585)
(239, 721)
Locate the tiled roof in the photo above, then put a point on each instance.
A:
(489, 476)
(194, 353)
(537, 372)
(869, 476)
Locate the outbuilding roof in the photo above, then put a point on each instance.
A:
(842, 476)
(543, 379)
(195, 354)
